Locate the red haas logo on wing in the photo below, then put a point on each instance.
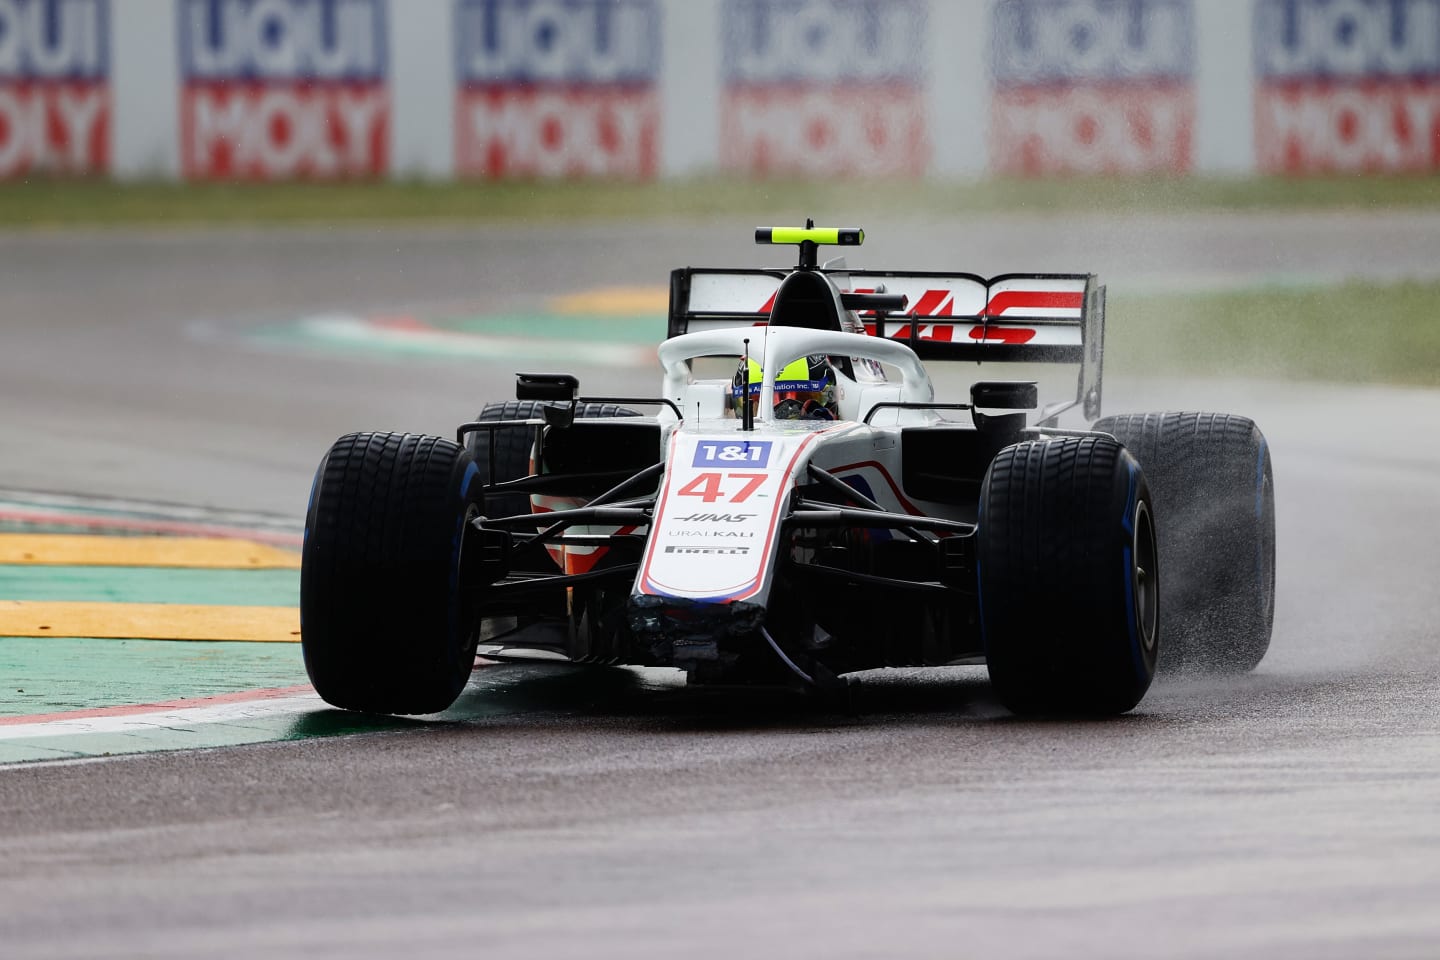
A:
(1001, 317)
(941, 303)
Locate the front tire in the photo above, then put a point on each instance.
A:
(384, 623)
(1066, 563)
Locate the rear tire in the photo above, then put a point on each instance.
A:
(1215, 508)
(1066, 563)
(513, 445)
(384, 624)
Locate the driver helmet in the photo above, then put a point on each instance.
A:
(804, 389)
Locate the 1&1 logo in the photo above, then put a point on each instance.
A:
(744, 453)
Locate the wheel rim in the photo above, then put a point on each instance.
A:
(1143, 575)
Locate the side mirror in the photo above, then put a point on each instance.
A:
(1005, 394)
(560, 387)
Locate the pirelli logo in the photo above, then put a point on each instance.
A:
(726, 551)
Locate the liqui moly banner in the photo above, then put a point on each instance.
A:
(558, 88)
(1092, 86)
(1347, 85)
(279, 89)
(832, 87)
(54, 87)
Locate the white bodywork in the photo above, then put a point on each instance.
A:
(726, 489)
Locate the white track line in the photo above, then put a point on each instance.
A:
(169, 717)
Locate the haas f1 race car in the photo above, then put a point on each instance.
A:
(799, 505)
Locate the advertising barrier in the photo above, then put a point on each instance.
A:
(1347, 86)
(54, 87)
(641, 89)
(824, 87)
(558, 88)
(1092, 86)
(279, 89)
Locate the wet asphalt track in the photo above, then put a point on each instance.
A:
(1292, 813)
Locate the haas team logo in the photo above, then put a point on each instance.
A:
(283, 88)
(54, 87)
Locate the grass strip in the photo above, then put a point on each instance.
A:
(49, 203)
(1354, 332)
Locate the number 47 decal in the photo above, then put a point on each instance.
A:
(707, 486)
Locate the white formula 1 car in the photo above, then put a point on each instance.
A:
(811, 511)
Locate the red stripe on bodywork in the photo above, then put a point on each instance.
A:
(905, 504)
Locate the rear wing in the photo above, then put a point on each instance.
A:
(1011, 318)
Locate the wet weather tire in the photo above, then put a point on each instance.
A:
(1215, 510)
(1066, 562)
(513, 444)
(384, 623)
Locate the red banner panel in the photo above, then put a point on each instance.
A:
(506, 131)
(1126, 129)
(841, 131)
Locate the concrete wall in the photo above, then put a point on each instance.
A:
(638, 89)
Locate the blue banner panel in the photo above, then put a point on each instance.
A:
(823, 41)
(1347, 39)
(282, 40)
(1054, 41)
(558, 41)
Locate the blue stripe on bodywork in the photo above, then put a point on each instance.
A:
(1127, 523)
(1260, 479)
(979, 593)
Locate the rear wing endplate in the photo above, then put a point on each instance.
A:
(1011, 318)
